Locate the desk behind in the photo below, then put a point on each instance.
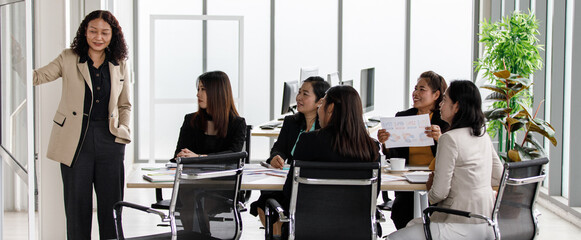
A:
(273, 133)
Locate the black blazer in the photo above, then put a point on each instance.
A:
(197, 141)
(404, 152)
(285, 142)
(315, 146)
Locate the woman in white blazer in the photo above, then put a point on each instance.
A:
(467, 166)
(91, 125)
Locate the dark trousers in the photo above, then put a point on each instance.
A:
(99, 165)
(402, 210)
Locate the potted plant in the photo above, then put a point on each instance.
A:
(511, 55)
(514, 120)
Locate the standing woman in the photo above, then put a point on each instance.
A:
(306, 120)
(91, 125)
(427, 96)
(216, 126)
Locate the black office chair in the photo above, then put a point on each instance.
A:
(245, 194)
(161, 203)
(204, 202)
(330, 200)
(513, 215)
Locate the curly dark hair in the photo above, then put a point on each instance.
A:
(117, 49)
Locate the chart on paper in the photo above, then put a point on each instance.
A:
(407, 131)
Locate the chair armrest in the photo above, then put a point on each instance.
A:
(428, 212)
(273, 204)
(214, 174)
(270, 207)
(117, 208)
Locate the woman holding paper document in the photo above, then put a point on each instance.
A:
(427, 95)
(306, 120)
(466, 166)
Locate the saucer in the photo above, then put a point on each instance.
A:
(397, 171)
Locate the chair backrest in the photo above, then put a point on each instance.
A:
(334, 200)
(513, 209)
(205, 195)
(247, 143)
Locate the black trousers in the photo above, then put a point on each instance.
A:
(402, 210)
(99, 165)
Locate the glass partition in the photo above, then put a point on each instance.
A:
(15, 134)
(182, 47)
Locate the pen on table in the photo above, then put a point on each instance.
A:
(275, 175)
(266, 165)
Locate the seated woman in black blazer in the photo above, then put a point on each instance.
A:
(216, 127)
(305, 120)
(343, 135)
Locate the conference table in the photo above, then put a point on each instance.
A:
(270, 182)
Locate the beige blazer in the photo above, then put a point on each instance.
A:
(68, 119)
(466, 168)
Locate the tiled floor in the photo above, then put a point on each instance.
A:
(552, 227)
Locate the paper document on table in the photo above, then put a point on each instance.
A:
(391, 178)
(407, 131)
(254, 172)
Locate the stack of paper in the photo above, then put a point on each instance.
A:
(163, 175)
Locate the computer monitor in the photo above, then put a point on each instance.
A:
(307, 72)
(289, 94)
(367, 90)
(347, 82)
(333, 79)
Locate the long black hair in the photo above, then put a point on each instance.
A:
(350, 137)
(220, 102)
(469, 113)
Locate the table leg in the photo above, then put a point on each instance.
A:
(158, 195)
(420, 202)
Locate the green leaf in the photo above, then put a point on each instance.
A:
(530, 139)
(497, 89)
(502, 74)
(496, 113)
(523, 153)
(496, 97)
(544, 128)
(516, 126)
(526, 110)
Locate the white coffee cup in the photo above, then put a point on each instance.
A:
(397, 164)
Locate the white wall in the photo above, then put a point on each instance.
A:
(49, 33)
(440, 41)
(373, 36)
